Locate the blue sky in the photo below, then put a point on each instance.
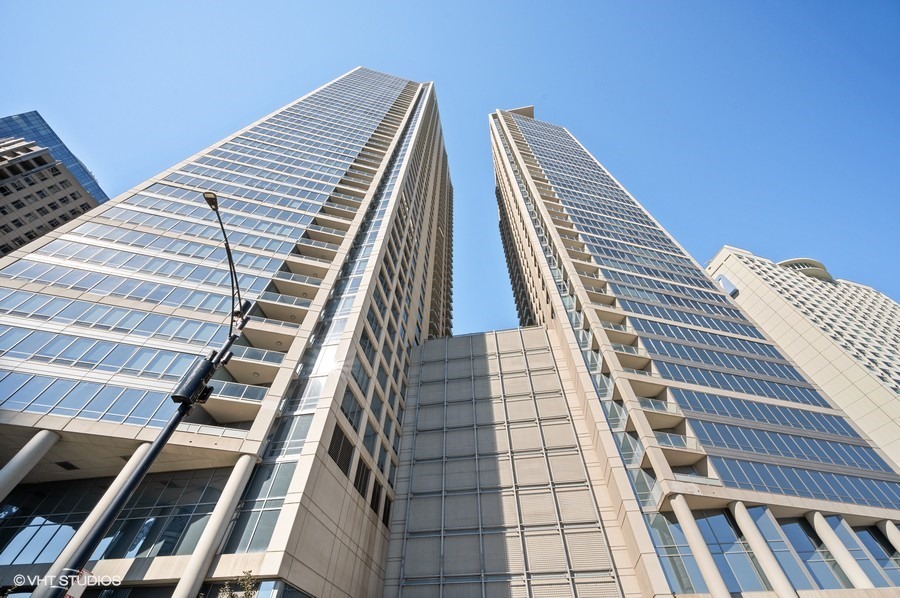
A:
(768, 125)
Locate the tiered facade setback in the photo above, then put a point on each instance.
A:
(845, 335)
(730, 469)
(338, 211)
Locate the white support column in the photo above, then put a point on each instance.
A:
(201, 558)
(25, 460)
(890, 531)
(844, 559)
(56, 569)
(715, 585)
(780, 583)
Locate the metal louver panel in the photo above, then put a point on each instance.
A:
(503, 554)
(530, 469)
(460, 511)
(587, 550)
(424, 513)
(537, 508)
(566, 467)
(544, 552)
(462, 555)
(423, 558)
(460, 443)
(460, 475)
(426, 476)
(559, 434)
(576, 505)
(525, 437)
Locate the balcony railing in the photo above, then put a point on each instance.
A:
(326, 229)
(299, 278)
(697, 479)
(212, 430)
(604, 386)
(234, 390)
(319, 244)
(617, 327)
(641, 372)
(284, 299)
(632, 450)
(271, 322)
(659, 406)
(631, 350)
(254, 354)
(677, 441)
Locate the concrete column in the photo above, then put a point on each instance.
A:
(715, 585)
(23, 461)
(841, 555)
(201, 558)
(56, 569)
(890, 531)
(780, 583)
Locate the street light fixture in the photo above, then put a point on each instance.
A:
(193, 388)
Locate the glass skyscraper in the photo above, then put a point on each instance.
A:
(730, 470)
(338, 208)
(31, 126)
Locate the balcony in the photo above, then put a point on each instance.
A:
(326, 234)
(631, 356)
(578, 255)
(300, 285)
(642, 373)
(661, 414)
(679, 449)
(697, 479)
(336, 210)
(342, 199)
(320, 250)
(274, 335)
(283, 307)
(233, 402)
(252, 365)
(331, 222)
(619, 333)
(631, 449)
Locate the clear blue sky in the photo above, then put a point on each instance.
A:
(768, 125)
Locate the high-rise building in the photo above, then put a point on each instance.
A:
(37, 193)
(721, 467)
(844, 335)
(338, 209)
(31, 126)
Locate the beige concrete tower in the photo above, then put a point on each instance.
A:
(844, 335)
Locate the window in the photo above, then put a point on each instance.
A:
(351, 409)
(361, 479)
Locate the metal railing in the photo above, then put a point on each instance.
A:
(299, 278)
(254, 354)
(677, 441)
(235, 390)
(284, 299)
(659, 405)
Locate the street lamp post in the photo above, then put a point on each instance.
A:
(193, 388)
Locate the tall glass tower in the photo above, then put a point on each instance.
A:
(338, 208)
(725, 469)
(31, 126)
